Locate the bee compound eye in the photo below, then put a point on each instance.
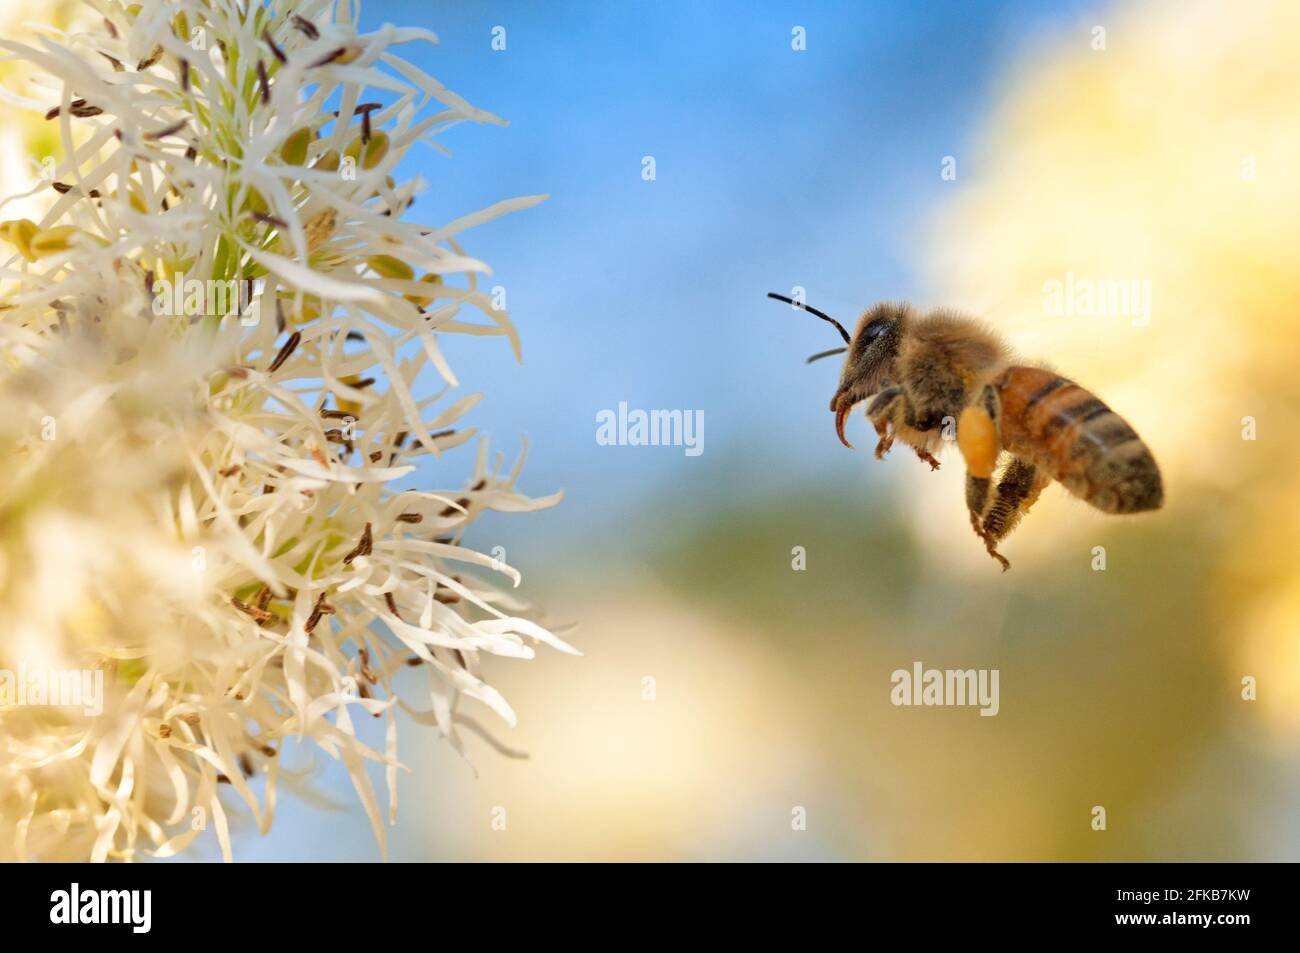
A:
(875, 330)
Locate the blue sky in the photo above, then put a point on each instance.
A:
(774, 168)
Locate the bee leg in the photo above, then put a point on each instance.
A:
(1017, 491)
(991, 548)
(927, 457)
(887, 411)
(883, 411)
(979, 437)
(979, 501)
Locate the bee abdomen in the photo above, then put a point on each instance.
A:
(1081, 442)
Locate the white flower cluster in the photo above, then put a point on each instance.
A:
(198, 500)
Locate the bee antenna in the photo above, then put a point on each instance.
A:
(811, 310)
(821, 354)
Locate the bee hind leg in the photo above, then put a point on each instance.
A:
(979, 437)
(991, 547)
(979, 502)
(1018, 490)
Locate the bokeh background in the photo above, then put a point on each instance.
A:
(1169, 154)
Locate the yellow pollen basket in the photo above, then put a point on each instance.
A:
(977, 438)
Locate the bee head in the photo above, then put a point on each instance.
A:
(870, 353)
(873, 350)
(869, 364)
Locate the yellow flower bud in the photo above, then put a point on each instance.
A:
(373, 152)
(134, 197)
(51, 241)
(19, 233)
(329, 162)
(294, 150)
(390, 267)
(170, 269)
(254, 202)
(422, 300)
(309, 310)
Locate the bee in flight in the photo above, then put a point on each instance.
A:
(922, 373)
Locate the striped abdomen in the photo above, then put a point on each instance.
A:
(1088, 448)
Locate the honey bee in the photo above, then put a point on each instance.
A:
(924, 374)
